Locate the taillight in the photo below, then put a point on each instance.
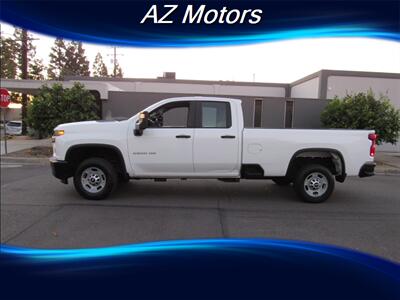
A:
(372, 137)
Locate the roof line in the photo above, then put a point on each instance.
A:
(187, 81)
(329, 72)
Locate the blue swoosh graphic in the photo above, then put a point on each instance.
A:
(246, 268)
(48, 255)
(181, 41)
(188, 41)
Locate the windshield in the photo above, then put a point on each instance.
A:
(14, 124)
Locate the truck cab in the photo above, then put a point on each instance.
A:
(188, 137)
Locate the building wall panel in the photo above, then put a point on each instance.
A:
(307, 89)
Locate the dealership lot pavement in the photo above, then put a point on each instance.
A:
(38, 211)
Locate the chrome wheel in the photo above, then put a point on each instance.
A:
(93, 179)
(316, 184)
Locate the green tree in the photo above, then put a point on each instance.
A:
(57, 60)
(99, 67)
(26, 60)
(8, 57)
(36, 69)
(9, 67)
(67, 59)
(56, 105)
(11, 57)
(364, 111)
(35, 65)
(76, 63)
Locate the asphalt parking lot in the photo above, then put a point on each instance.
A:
(38, 211)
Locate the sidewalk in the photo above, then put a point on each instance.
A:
(387, 162)
(21, 143)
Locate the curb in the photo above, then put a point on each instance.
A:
(388, 172)
(384, 168)
(30, 160)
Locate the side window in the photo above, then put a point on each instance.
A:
(215, 115)
(170, 115)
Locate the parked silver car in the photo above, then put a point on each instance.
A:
(14, 127)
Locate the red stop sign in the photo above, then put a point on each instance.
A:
(5, 98)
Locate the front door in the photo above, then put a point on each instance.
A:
(166, 147)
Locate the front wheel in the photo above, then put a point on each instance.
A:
(95, 178)
(314, 183)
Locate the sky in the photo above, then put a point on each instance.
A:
(282, 61)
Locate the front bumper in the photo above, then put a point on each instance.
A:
(13, 131)
(367, 169)
(60, 169)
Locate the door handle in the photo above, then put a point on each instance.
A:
(228, 136)
(183, 136)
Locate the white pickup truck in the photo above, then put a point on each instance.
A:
(204, 137)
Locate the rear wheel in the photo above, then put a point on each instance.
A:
(314, 183)
(95, 178)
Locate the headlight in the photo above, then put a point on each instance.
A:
(58, 132)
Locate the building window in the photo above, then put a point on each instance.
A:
(289, 114)
(257, 113)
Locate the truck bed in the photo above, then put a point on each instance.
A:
(273, 149)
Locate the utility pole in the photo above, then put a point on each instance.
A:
(114, 61)
(24, 75)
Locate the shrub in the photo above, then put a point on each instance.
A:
(364, 111)
(55, 105)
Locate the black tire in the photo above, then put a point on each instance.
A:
(281, 181)
(323, 178)
(108, 176)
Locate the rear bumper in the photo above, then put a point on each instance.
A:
(60, 169)
(367, 169)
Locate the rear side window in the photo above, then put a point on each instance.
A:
(215, 115)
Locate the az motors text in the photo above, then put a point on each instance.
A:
(192, 15)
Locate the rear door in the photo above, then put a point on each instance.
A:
(216, 140)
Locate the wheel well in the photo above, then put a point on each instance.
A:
(76, 154)
(252, 171)
(331, 159)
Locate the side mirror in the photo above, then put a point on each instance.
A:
(142, 123)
